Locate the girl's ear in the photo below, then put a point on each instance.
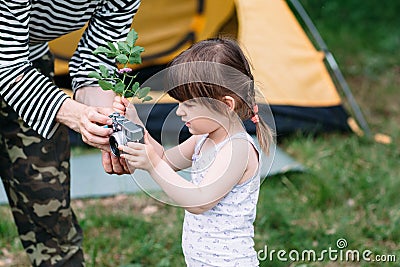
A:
(229, 101)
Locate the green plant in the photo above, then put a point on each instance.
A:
(120, 80)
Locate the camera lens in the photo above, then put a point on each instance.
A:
(114, 146)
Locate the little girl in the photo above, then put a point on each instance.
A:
(215, 89)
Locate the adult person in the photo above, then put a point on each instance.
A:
(34, 147)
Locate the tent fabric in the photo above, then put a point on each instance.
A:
(286, 64)
(165, 29)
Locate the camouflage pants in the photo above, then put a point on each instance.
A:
(36, 177)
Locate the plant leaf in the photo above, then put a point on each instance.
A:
(147, 98)
(104, 71)
(121, 58)
(112, 54)
(94, 74)
(101, 50)
(135, 59)
(128, 94)
(123, 47)
(137, 49)
(119, 88)
(106, 85)
(131, 38)
(135, 87)
(123, 52)
(112, 47)
(142, 92)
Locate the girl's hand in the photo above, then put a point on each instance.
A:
(140, 156)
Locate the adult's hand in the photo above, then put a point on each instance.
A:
(95, 96)
(88, 121)
(114, 165)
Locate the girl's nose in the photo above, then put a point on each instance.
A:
(179, 111)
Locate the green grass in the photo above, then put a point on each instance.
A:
(351, 188)
(350, 191)
(137, 232)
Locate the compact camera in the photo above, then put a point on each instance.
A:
(124, 131)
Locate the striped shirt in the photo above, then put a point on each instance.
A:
(27, 26)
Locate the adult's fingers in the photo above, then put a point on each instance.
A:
(99, 115)
(128, 169)
(114, 165)
(97, 130)
(92, 126)
(97, 142)
(106, 161)
(118, 103)
(125, 102)
(119, 108)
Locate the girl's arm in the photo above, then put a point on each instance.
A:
(223, 174)
(180, 157)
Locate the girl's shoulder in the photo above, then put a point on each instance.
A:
(239, 144)
(240, 136)
(244, 147)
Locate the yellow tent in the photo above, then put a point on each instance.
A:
(287, 67)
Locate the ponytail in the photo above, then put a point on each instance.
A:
(264, 136)
(263, 131)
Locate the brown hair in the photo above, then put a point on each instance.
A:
(212, 69)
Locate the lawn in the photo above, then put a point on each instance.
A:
(350, 191)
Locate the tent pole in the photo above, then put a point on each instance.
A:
(334, 67)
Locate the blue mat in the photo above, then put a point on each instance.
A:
(90, 180)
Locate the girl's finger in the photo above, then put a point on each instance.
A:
(106, 161)
(127, 150)
(132, 161)
(136, 146)
(130, 158)
(125, 166)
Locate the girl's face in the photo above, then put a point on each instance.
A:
(199, 118)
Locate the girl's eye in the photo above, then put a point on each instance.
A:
(188, 104)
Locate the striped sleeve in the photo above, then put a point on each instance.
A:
(30, 94)
(111, 22)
